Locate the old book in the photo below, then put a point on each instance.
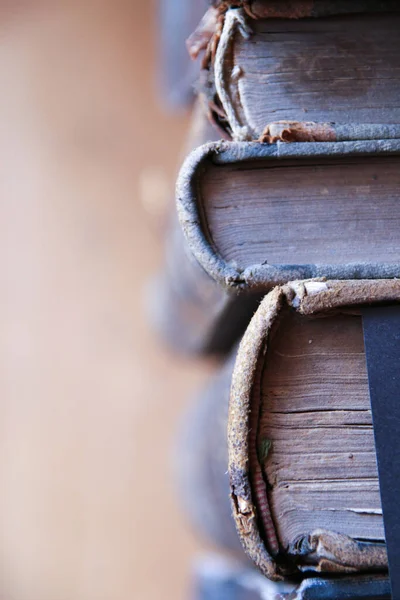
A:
(256, 215)
(299, 448)
(302, 460)
(188, 308)
(269, 62)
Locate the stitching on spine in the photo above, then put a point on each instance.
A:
(235, 21)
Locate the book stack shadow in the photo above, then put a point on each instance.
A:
(287, 227)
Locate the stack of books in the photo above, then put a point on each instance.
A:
(287, 226)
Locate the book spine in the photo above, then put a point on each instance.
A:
(313, 297)
(215, 465)
(243, 99)
(260, 278)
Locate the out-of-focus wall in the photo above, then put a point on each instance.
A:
(88, 398)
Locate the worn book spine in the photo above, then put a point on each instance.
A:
(200, 203)
(271, 62)
(300, 436)
(187, 307)
(303, 484)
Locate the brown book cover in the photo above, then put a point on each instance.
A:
(296, 439)
(269, 61)
(302, 461)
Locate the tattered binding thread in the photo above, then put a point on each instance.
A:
(234, 21)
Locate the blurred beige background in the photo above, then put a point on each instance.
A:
(89, 397)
